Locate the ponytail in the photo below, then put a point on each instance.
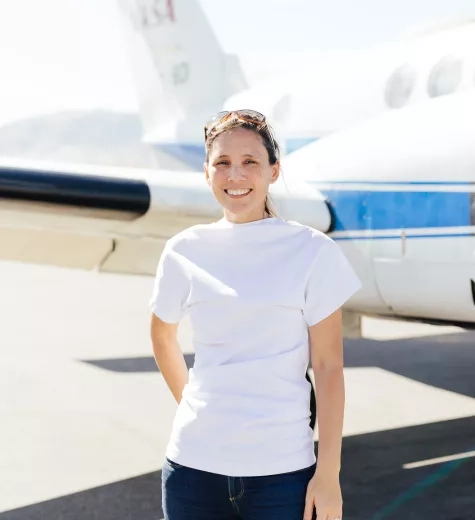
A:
(269, 207)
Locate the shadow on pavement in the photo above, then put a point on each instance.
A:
(137, 498)
(134, 364)
(445, 361)
(375, 484)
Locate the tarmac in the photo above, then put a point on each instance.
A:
(85, 415)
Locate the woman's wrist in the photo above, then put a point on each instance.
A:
(328, 471)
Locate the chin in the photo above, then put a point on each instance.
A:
(238, 209)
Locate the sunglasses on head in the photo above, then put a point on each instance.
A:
(251, 116)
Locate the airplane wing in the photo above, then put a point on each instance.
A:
(117, 219)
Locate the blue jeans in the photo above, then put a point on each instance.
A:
(191, 494)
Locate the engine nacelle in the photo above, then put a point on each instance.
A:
(116, 219)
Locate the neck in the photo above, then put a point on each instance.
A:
(243, 219)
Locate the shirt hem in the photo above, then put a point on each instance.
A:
(238, 469)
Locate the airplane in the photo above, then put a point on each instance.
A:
(391, 181)
(183, 75)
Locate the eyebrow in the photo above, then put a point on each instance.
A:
(244, 155)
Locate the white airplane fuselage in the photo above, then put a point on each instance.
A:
(309, 96)
(402, 194)
(396, 164)
(390, 175)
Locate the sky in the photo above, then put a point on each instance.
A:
(69, 55)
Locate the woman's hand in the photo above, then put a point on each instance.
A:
(324, 496)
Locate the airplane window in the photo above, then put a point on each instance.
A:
(445, 77)
(400, 86)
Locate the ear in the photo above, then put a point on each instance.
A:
(275, 172)
(205, 168)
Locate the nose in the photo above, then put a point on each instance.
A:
(236, 173)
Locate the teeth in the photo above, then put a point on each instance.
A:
(237, 192)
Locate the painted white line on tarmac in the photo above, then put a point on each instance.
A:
(439, 460)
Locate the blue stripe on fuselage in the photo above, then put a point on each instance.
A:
(191, 154)
(371, 209)
(398, 236)
(356, 210)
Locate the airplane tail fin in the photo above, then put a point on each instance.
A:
(182, 74)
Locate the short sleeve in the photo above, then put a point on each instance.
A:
(170, 290)
(331, 283)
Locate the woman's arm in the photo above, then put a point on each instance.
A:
(168, 355)
(326, 351)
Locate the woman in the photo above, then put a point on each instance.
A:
(261, 293)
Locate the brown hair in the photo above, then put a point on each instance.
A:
(261, 128)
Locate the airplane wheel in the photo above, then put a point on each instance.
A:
(313, 403)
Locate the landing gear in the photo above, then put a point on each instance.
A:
(313, 403)
(351, 324)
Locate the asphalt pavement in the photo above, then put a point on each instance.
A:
(85, 415)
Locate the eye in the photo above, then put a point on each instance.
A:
(250, 161)
(222, 161)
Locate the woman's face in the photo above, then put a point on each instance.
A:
(239, 173)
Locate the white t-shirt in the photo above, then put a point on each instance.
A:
(251, 290)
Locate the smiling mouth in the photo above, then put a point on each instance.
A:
(238, 194)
